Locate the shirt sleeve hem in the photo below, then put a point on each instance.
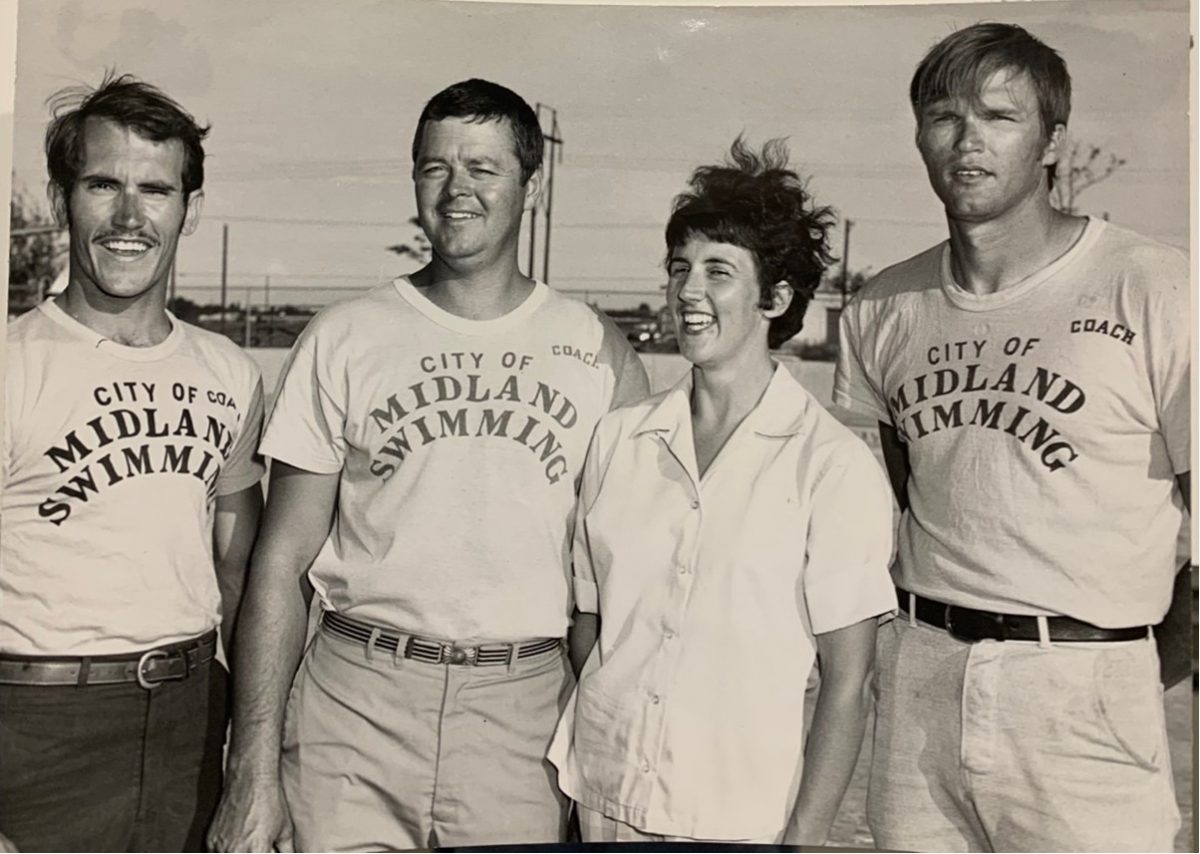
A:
(881, 604)
(587, 597)
(300, 460)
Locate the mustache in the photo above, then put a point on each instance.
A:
(126, 235)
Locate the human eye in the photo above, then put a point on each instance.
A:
(433, 170)
(101, 185)
(677, 268)
(717, 271)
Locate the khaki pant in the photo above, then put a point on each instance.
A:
(386, 753)
(1012, 746)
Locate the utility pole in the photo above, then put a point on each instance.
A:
(554, 143)
(249, 319)
(846, 262)
(224, 268)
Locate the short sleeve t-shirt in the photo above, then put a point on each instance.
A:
(113, 459)
(1045, 425)
(459, 444)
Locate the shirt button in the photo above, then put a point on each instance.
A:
(645, 767)
(654, 699)
(695, 505)
(669, 633)
(683, 569)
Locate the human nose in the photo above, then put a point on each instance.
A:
(967, 136)
(692, 287)
(129, 214)
(458, 183)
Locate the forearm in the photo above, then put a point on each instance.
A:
(231, 586)
(1175, 635)
(270, 639)
(834, 741)
(581, 637)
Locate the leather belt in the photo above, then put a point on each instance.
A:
(168, 663)
(970, 624)
(434, 651)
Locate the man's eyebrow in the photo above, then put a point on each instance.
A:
(98, 176)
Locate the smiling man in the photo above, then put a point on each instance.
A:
(131, 500)
(427, 443)
(1031, 380)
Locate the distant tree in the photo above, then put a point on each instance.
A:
(854, 283)
(1080, 167)
(419, 249)
(184, 309)
(35, 258)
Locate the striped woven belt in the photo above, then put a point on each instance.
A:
(434, 651)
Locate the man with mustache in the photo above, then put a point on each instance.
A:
(427, 443)
(1031, 380)
(130, 503)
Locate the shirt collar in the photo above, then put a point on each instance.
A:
(780, 412)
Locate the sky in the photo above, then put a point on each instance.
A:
(313, 105)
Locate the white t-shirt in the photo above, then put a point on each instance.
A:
(1045, 424)
(459, 444)
(113, 459)
(688, 717)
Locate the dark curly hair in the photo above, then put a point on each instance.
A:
(130, 103)
(754, 201)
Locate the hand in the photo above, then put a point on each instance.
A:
(252, 816)
(6, 845)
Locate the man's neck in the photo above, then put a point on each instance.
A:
(987, 257)
(139, 322)
(474, 294)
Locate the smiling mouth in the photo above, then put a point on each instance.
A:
(970, 173)
(695, 322)
(126, 247)
(459, 216)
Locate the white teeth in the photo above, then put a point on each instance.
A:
(458, 215)
(695, 321)
(126, 245)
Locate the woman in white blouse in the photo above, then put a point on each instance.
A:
(729, 534)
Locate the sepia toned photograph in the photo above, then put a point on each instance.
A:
(447, 424)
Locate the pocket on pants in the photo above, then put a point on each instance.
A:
(1130, 704)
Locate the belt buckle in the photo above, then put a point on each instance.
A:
(152, 655)
(452, 654)
(949, 622)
